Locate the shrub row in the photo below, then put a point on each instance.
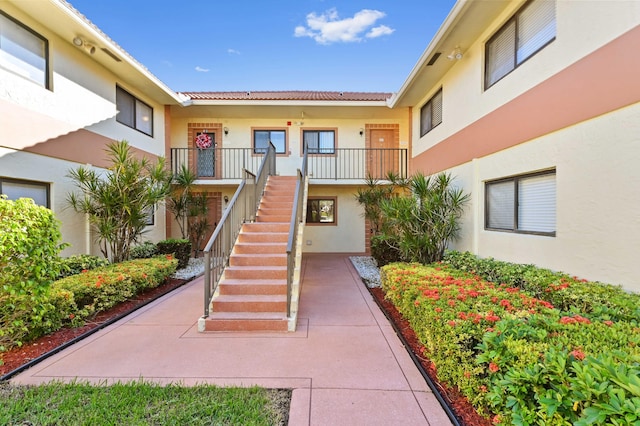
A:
(179, 248)
(73, 299)
(565, 292)
(516, 355)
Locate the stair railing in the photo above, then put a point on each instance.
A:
(297, 217)
(241, 209)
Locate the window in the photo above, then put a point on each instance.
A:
(15, 188)
(150, 215)
(526, 33)
(525, 204)
(321, 210)
(23, 51)
(319, 141)
(261, 139)
(133, 112)
(431, 113)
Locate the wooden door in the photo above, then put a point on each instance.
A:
(383, 156)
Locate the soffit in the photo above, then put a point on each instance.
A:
(63, 20)
(464, 25)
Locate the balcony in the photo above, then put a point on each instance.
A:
(216, 163)
(338, 164)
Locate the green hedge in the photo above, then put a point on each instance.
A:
(518, 356)
(180, 248)
(73, 299)
(565, 292)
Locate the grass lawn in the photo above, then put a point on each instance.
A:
(141, 403)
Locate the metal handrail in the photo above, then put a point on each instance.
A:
(241, 209)
(297, 217)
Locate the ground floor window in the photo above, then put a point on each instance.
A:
(17, 188)
(322, 210)
(525, 204)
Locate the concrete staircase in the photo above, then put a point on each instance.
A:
(252, 293)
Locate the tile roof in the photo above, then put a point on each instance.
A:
(288, 96)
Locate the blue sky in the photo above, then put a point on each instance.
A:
(220, 45)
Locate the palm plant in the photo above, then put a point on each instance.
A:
(118, 201)
(426, 219)
(178, 202)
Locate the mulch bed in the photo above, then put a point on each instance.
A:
(461, 407)
(17, 357)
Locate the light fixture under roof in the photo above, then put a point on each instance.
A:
(79, 42)
(455, 55)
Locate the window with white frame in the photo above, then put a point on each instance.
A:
(431, 113)
(524, 204)
(23, 51)
(525, 34)
(17, 188)
(261, 139)
(321, 211)
(133, 112)
(319, 141)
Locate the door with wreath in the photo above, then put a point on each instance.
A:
(206, 154)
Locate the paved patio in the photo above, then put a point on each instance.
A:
(344, 362)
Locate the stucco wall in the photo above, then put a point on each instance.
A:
(598, 200)
(464, 98)
(347, 236)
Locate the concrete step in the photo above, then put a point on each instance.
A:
(251, 303)
(256, 272)
(246, 321)
(248, 287)
(265, 227)
(267, 198)
(272, 218)
(266, 259)
(260, 247)
(263, 237)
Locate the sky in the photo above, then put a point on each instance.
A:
(252, 45)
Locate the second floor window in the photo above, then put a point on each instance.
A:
(261, 139)
(23, 51)
(133, 112)
(431, 113)
(526, 33)
(319, 141)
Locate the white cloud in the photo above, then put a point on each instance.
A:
(380, 31)
(233, 52)
(328, 28)
(200, 69)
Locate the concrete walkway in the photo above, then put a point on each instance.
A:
(344, 362)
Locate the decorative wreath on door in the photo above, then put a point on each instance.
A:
(203, 141)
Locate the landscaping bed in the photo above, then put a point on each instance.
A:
(517, 344)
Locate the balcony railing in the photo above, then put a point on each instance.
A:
(337, 164)
(357, 163)
(216, 163)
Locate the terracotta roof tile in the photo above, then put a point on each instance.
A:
(288, 96)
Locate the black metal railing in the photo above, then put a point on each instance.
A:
(241, 209)
(216, 163)
(297, 217)
(336, 164)
(357, 163)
